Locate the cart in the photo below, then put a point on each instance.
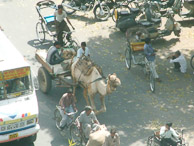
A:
(46, 23)
(47, 73)
(135, 53)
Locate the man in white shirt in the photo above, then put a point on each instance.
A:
(179, 61)
(83, 51)
(168, 135)
(88, 122)
(61, 25)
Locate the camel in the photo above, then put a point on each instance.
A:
(94, 83)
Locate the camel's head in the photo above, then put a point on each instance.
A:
(113, 81)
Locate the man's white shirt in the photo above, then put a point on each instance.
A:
(182, 61)
(169, 133)
(80, 52)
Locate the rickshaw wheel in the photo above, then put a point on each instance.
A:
(40, 32)
(128, 57)
(192, 62)
(75, 45)
(44, 80)
(58, 117)
(152, 82)
(75, 134)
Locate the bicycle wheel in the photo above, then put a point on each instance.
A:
(192, 62)
(40, 32)
(150, 141)
(152, 82)
(57, 117)
(67, 4)
(75, 134)
(74, 45)
(128, 57)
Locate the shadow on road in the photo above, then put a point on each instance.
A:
(187, 23)
(18, 143)
(36, 44)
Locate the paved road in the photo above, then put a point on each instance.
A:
(133, 109)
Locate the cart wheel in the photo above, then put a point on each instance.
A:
(192, 62)
(128, 57)
(75, 45)
(44, 79)
(152, 82)
(40, 32)
(57, 117)
(75, 134)
(150, 141)
(102, 12)
(70, 3)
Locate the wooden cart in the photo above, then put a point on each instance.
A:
(47, 73)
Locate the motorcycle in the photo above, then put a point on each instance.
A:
(100, 9)
(150, 29)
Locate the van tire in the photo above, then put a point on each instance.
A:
(44, 80)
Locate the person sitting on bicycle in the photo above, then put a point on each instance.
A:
(168, 135)
(150, 56)
(60, 23)
(83, 51)
(53, 56)
(180, 64)
(88, 122)
(112, 139)
(67, 106)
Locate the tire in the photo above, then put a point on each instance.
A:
(102, 15)
(40, 32)
(192, 62)
(152, 82)
(71, 3)
(44, 80)
(57, 117)
(150, 141)
(74, 45)
(31, 138)
(75, 134)
(128, 57)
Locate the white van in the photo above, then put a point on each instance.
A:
(18, 101)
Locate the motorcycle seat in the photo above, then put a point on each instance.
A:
(156, 21)
(124, 13)
(145, 23)
(135, 10)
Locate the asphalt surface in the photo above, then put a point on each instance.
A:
(133, 109)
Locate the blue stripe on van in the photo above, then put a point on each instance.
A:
(12, 131)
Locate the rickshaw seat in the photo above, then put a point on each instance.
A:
(49, 18)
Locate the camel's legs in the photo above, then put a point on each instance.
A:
(92, 102)
(103, 106)
(74, 89)
(86, 96)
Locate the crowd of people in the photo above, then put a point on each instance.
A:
(88, 121)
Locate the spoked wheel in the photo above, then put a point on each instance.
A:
(152, 82)
(74, 45)
(75, 134)
(58, 117)
(40, 32)
(44, 80)
(128, 57)
(151, 141)
(67, 4)
(192, 62)
(102, 12)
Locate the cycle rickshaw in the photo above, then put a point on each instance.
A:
(46, 24)
(155, 140)
(135, 53)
